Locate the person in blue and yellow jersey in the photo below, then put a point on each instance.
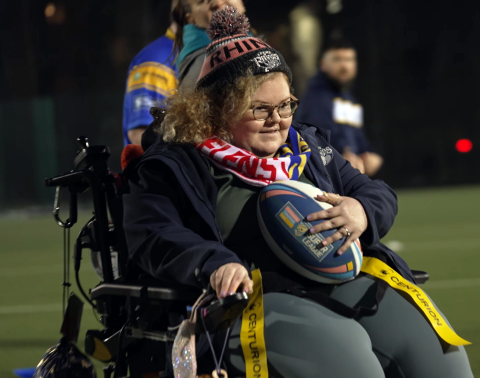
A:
(152, 76)
(329, 104)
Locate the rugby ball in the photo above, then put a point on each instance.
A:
(282, 210)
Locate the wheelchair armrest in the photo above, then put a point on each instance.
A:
(420, 276)
(143, 291)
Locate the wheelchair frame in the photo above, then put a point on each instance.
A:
(135, 310)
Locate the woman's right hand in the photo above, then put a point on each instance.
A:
(228, 278)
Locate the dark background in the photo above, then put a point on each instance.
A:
(63, 76)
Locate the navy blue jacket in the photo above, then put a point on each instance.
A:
(169, 214)
(327, 106)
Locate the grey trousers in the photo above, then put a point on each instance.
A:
(306, 340)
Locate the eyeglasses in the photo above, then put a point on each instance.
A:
(285, 109)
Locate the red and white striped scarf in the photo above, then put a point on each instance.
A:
(287, 164)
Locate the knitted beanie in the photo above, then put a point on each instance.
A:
(233, 52)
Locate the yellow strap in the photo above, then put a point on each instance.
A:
(251, 334)
(381, 270)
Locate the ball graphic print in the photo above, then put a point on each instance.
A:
(282, 210)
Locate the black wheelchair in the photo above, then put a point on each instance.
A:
(139, 314)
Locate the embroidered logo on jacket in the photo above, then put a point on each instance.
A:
(326, 154)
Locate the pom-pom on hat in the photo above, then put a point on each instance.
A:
(233, 51)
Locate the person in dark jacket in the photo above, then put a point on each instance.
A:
(190, 219)
(329, 103)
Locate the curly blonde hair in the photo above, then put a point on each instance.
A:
(196, 114)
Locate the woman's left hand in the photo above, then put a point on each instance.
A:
(347, 216)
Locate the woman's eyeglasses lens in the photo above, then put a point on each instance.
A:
(285, 110)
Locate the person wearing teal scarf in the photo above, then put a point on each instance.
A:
(195, 19)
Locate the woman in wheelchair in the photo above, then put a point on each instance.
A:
(190, 218)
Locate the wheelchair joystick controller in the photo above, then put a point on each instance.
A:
(222, 313)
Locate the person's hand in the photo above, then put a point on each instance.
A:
(227, 279)
(347, 216)
(372, 162)
(355, 160)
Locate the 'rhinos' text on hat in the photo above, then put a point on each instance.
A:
(233, 51)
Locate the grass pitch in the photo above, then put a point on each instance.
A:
(428, 234)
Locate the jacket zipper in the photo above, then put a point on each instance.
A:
(328, 176)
